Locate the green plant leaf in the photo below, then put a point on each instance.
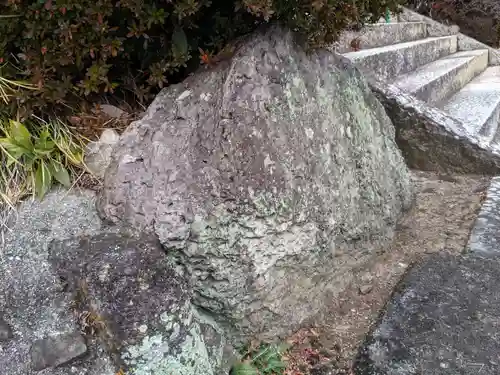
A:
(28, 163)
(60, 173)
(244, 368)
(75, 157)
(44, 135)
(179, 42)
(274, 365)
(13, 151)
(43, 180)
(43, 144)
(21, 135)
(263, 354)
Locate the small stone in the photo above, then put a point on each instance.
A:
(367, 277)
(57, 350)
(365, 289)
(98, 154)
(5, 331)
(109, 136)
(112, 111)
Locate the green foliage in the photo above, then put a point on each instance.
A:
(32, 161)
(11, 88)
(266, 359)
(75, 49)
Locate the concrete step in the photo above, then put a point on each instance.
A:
(477, 104)
(484, 239)
(440, 79)
(393, 60)
(381, 34)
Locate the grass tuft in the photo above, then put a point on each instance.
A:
(264, 359)
(34, 155)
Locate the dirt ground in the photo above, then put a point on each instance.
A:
(444, 213)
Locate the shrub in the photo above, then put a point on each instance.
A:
(476, 18)
(73, 49)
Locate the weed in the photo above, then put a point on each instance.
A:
(9, 88)
(265, 359)
(91, 324)
(34, 155)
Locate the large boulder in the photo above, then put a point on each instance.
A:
(267, 179)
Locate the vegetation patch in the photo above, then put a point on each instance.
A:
(34, 156)
(263, 359)
(73, 51)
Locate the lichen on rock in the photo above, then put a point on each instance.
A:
(148, 324)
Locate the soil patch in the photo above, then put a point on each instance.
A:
(441, 220)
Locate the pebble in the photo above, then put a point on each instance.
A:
(365, 289)
(5, 330)
(57, 350)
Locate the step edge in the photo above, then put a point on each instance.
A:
(356, 55)
(481, 232)
(471, 67)
(466, 60)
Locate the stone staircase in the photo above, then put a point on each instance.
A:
(441, 89)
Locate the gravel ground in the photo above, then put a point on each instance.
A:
(444, 213)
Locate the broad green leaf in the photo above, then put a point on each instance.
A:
(60, 173)
(243, 368)
(21, 135)
(43, 144)
(40, 151)
(43, 180)
(14, 151)
(179, 41)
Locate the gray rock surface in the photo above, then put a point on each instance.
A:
(5, 330)
(442, 321)
(267, 179)
(57, 350)
(31, 296)
(144, 312)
